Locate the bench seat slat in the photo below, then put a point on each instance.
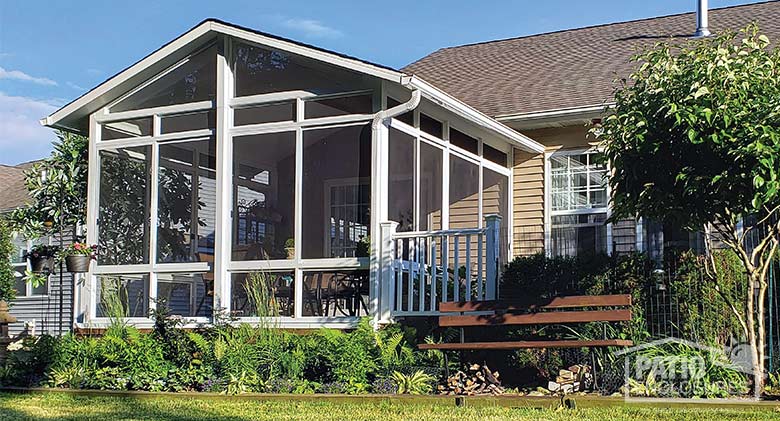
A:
(551, 317)
(572, 301)
(527, 344)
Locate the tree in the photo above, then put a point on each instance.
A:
(694, 140)
(63, 192)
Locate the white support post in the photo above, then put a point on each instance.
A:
(222, 237)
(379, 192)
(493, 234)
(387, 270)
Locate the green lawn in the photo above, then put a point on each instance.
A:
(66, 407)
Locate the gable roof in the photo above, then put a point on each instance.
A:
(74, 115)
(13, 192)
(568, 69)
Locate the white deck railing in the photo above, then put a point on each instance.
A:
(421, 269)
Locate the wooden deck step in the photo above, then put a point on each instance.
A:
(528, 344)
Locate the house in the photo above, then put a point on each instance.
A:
(36, 308)
(551, 87)
(234, 173)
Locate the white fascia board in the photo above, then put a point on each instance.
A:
(557, 116)
(458, 107)
(128, 73)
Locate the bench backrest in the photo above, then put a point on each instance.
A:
(502, 313)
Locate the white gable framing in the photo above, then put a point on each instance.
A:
(74, 116)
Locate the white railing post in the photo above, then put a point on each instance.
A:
(387, 271)
(492, 236)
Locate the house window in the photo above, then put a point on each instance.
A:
(19, 267)
(578, 203)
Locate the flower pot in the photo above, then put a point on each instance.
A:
(41, 263)
(78, 263)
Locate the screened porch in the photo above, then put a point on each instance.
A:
(241, 178)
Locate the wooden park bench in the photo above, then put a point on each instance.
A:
(558, 310)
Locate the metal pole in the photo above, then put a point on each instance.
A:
(62, 289)
(771, 316)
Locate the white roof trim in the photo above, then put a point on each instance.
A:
(217, 27)
(557, 113)
(302, 50)
(123, 76)
(460, 108)
(429, 91)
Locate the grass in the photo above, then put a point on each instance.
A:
(60, 406)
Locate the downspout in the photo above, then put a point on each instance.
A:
(399, 109)
(379, 174)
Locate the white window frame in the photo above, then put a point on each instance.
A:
(448, 149)
(23, 266)
(549, 213)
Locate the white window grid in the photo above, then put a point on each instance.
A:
(576, 184)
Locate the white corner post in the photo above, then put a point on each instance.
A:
(222, 237)
(387, 271)
(380, 136)
(493, 245)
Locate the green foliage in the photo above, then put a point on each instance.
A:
(694, 134)
(704, 316)
(226, 359)
(418, 383)
(62, 194)
(681, 370)
(7, 290)
(707, 318)
(537, 277)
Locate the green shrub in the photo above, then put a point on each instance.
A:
(222, 359)
(7, 290)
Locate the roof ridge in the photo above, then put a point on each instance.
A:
(591, 27)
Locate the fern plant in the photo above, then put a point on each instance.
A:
(419, 383)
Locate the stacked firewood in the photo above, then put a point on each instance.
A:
(577, 378)
(477, 380)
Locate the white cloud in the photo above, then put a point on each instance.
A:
(22, 76)
(94, 72)
(312, 28)
(74, 86)
(22, 138)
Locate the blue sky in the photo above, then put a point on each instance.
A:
(53, 51)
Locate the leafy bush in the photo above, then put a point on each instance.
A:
(224, 359)
(418, 383)
(7, 291)
(681, 370)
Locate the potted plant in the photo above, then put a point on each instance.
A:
(363, 247)
(41, 258)
(78, 256)
(289, 246)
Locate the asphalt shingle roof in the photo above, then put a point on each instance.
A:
(566, 69)
(13, 192)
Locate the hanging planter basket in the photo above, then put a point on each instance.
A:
(77, 263)
(40, 264)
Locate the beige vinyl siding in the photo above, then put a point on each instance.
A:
(528, 201)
